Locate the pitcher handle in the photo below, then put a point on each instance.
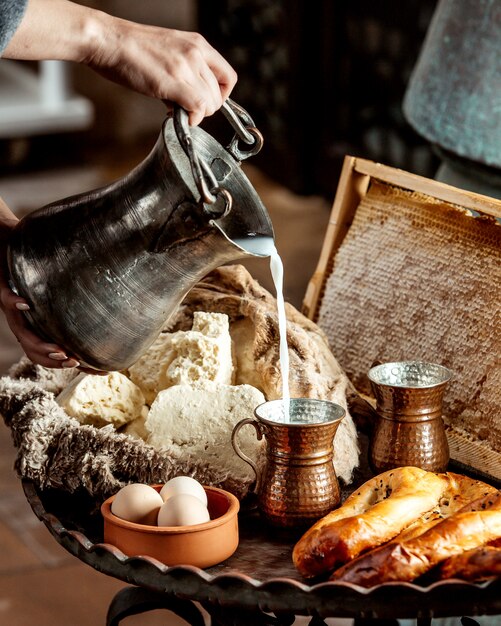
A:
(204, 178)
(245, 129)
(236, 447)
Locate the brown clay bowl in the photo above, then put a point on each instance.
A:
(202, 545)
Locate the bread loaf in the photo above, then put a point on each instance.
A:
(460, 491)
(473, 565)
(372, 515)
(472, 526)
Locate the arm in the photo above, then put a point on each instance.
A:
(171, 65)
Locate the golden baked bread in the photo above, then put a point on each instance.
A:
(460, 491)
(473, 565)
(372, 515)
(474, 525)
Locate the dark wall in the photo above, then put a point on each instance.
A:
(323, 79)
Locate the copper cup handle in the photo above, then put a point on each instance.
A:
(236, 447)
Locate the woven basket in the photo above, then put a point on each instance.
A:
(410, 269)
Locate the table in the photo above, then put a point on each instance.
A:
(258, 585)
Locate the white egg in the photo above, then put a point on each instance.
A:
(182, 509)
(183, 484)
(137, 503)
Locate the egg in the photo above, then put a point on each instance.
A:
(182, 509)
(183, 484)
(137, 503)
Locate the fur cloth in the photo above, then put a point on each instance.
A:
(55, 450)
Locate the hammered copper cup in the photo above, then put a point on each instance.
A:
(409, 429)
(298, 484)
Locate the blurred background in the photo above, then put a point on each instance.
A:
(320, 84)
(322, 80)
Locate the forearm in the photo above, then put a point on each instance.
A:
(57, 29)
(171, 65)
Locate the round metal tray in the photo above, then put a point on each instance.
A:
(260, 575)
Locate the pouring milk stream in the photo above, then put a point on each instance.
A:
(266, 247)
(277, 272)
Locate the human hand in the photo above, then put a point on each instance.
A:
(171, 65)
(37, 350)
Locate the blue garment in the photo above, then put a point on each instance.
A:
(11, 13)
(454, 94)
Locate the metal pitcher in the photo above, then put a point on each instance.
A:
(103, 271)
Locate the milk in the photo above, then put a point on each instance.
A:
(277, 273)
(265, 246)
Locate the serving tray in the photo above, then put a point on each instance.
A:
(260, 575)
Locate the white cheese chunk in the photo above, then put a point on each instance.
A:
(184, 357)
(196, 422)
(101, 400)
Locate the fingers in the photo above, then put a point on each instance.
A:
(36, 349)
(210, 97)
(191, 78)
(198, 78)
(223, 72)
(216, 81)
(174, 66)
(10, 300)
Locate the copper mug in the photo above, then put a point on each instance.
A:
(298, 483)
(409, 428)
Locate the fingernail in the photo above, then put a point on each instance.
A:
(22, 306)
(70, 363)
(58, 356)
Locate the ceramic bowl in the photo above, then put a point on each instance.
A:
(202, 545)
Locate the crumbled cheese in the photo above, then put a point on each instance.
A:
(196, 422)
(186, 357)
(101, 400)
